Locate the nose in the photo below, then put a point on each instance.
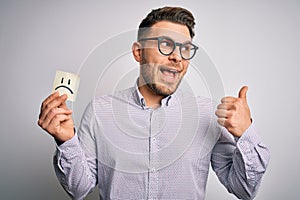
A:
(175, 55)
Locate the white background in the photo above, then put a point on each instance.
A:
(250, 42)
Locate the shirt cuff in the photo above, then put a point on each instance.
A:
(248, 140)
(69, 148)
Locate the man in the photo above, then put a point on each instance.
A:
(155, 141)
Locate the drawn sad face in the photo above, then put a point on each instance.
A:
(66, 83)
(64, 86)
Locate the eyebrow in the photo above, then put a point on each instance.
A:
(165, 36)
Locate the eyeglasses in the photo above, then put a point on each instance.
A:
(166, 46)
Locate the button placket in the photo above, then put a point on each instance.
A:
(154, 161)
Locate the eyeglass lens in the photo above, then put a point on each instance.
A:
(167, 46)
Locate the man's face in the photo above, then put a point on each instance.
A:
(159, 72)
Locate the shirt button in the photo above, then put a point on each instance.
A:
(153, 170)
(154, 139)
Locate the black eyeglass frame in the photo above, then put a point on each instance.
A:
(159, 39)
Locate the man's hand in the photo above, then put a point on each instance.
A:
(234, 113)
(56, 118)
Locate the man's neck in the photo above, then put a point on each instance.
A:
(152, 99)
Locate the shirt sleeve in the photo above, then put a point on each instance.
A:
(76, 165)
(240, 162)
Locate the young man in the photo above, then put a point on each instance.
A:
(154, 141)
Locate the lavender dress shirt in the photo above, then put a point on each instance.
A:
(135, 152)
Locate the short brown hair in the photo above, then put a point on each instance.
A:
(172, 14)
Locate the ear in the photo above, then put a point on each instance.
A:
(137, 51)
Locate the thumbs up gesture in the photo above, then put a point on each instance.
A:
(234, 113)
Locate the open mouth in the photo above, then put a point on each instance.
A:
(169, 73)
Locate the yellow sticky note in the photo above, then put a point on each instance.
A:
(66, 83)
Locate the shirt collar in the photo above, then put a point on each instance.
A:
(139, 99)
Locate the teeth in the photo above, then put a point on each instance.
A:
(171, 71)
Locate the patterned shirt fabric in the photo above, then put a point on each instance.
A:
(135, 152)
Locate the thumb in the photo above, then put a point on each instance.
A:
(242, 92)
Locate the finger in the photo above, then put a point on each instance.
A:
(49, 99)
(46, 102)
(221, 113)
(243, 92)
(221, 121)
(56, 122)
(228, 99)
(56, 102)
(63, 105)
(226, 106)
(52, 114)
(225, 122)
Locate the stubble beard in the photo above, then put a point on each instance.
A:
(150, 79)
